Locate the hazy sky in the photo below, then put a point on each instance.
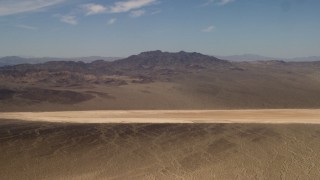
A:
(65, 28)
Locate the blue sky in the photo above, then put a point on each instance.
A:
(73, 28)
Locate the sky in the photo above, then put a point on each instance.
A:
(119, 28)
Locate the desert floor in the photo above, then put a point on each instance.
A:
(307, 116)
(249, 144)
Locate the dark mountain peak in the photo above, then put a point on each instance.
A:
(168, 59)
(184, 53)
(155, 52)
(180, 54)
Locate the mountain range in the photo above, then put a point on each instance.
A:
(15, 60)
(254, 57)
(160, 80)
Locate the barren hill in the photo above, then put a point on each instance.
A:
(160, 80)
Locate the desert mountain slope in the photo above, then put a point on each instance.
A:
(160, 80)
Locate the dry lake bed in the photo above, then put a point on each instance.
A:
(221, 144)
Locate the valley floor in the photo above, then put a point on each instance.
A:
(241, 144)
(304, 116)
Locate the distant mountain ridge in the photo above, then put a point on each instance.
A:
(151, 62)
(247, 57)
(14, 60)
(255, 57)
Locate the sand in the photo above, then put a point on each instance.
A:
(250, 144)
(274, 116)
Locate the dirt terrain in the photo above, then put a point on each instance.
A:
(241, 144)
(47, 150)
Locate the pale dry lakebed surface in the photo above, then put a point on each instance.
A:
(221, 144)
